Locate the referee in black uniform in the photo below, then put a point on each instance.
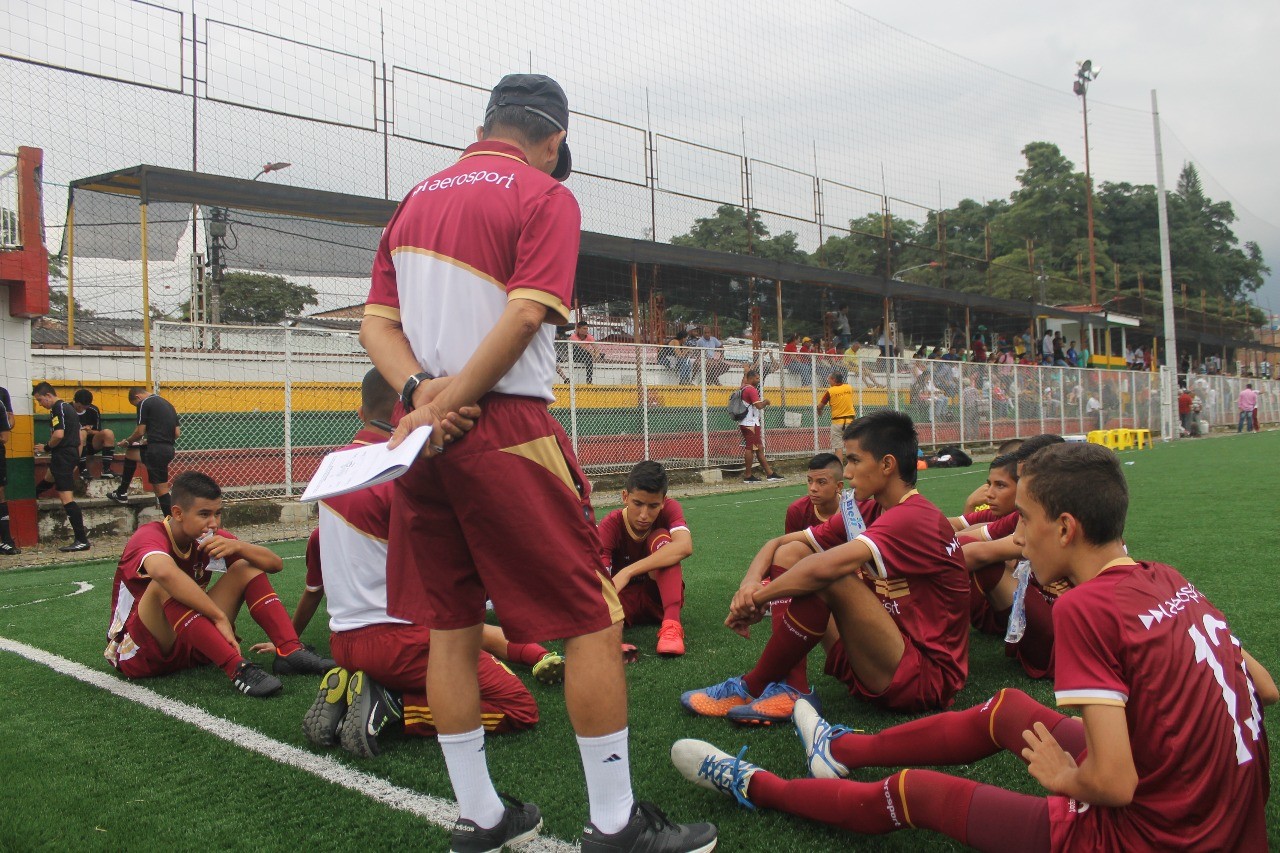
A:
(64, 454)
(158, 425)
(93, 435)
(8, 547)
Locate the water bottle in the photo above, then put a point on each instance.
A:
(216, 564)
(1018, 615)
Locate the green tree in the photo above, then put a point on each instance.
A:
(1205, 251)
(58, 306)
(864, 249)
(727, 231)
(257, 298)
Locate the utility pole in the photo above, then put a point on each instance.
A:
(1086, 74)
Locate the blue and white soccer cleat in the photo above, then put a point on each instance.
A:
(708, 767)
(816, 734)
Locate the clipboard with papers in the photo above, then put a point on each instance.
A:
(344, 471)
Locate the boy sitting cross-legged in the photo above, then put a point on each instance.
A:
(167, 615)
(1171, 753)
(643, 546)
(897, 589)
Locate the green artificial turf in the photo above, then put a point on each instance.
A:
(86, 769)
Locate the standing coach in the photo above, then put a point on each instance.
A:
(473, 271)
(158, 425)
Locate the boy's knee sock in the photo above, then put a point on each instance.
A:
(6, 536)
(914, 798)
(265, 609)
(166, 503)
(76, 517)
(464, 757)
(525, 653)
(126, 475)
(956, 737)
(670, 583)
(799, 632)
(798, 677)
(197, 631)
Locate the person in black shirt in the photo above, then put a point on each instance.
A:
(8, 547)
(158, 424)
(93, 436)
(64, 453)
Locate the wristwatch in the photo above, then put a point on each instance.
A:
(411, 385)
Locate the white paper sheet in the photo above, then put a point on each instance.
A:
(361, 467)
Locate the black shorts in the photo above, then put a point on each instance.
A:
(156, 459)
(62, 467)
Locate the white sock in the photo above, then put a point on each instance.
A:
(607, 765)
(469, 772)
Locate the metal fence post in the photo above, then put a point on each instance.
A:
(1016, 393)
(706, 429)
(573, 398)
(813, 408)
(644, 402)
(288, 411)
(1062, 404)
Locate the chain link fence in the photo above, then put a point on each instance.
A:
(261, 406)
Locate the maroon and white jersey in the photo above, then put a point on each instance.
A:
(131, 579)
(352, 543)
(802, 514)
(1142, 637)
(917, 570)
(981, 516)
(463, 242)
(621, 545)
(1001, 527)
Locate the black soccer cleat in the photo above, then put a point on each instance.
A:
(108, 474)
(321, 722)
(8, 549)
(252, 680)
(77, 545)
(520, 822)
(116, 497)
(370, 706)
(651, 831)
(302, 662)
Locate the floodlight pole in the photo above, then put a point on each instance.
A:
(1166, 277)
(1084, 76)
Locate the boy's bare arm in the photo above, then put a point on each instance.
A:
(234, 550)
(1268, 694)
(816, 572)
(1107, 777)
(976, 499)
(307, 606)
(679, 549)
(977, 554)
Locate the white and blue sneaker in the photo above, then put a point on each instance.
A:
(816, 734)
(708, 767)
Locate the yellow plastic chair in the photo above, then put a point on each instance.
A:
(1123, 439)
(1142, 437)
(1098, 436)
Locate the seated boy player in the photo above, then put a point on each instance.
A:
(1170, 752)
(643, 546)
(167, 615)
(382, 661)
(822, 500)
(898, 591)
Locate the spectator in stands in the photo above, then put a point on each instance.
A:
(716, 365)
(843, 335)
(1184, 409)
(796, 363)
(979, 349)
(1059, 355)
(675, 356)
(952, 355)
(1046, 347)
(1247, 403)
(585, 351)
(1072, 355)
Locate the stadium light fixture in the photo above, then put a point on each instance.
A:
(271, 167)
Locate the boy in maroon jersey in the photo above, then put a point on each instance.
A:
(167, 616)
(643, 545)
(898, 591)
(825, 479)
(1177, 756)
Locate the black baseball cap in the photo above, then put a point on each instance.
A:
(541, 95)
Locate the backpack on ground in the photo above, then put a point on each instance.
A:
(737, 408)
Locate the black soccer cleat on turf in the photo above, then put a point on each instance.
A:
(116, 497)
(77, 545)
(651, 831)
(302, 662)
(8, 549)
(252, 680)
(520, 822)
(321, 722)
(370, 706)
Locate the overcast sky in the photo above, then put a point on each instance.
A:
(925, 102)
(1215, 67)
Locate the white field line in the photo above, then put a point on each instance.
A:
(81, 587)
(433, 809)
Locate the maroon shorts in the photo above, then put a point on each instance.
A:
(917, 685)
(147, 660)
(1035, 650)
(752, 438)
(396, 656)
(505, 515)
